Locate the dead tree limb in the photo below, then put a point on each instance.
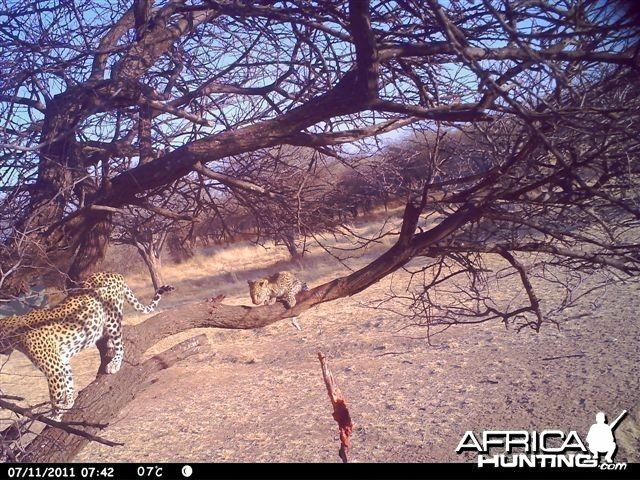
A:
(26, 412)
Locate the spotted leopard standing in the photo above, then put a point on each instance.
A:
(282, 285)
(50, 337)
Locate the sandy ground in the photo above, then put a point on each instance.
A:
(259, 396)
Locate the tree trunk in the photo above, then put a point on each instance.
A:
(154, 264)
(74, 243)
(152, 260)
(290, 242)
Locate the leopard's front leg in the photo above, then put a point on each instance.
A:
(113, 333)
(116, 346)
(271, 300)
(290, 300)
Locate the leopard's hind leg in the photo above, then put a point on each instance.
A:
(290, 299)
(57, 371)
(113, 333)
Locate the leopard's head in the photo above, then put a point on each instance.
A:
(259, 291)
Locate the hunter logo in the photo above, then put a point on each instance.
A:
(548, 448)
(600, 437)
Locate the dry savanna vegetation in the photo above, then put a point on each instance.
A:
(456, 182)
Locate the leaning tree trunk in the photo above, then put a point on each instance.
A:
(289, 239)
(154, 264)
(71, 243)
(149, 246)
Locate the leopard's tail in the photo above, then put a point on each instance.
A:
(131, 298)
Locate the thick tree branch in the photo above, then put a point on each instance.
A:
(164, 107)
(450, 113)
(165, 212)
(366, 48)
(388, 51)
(336, 138)
(158, 38)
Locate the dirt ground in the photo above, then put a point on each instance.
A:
(259, 396)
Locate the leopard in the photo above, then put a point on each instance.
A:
(50, 337)
(281, 285)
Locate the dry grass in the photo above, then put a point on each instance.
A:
(225, 269)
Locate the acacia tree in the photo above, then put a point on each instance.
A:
(148, 236)
(112, 105)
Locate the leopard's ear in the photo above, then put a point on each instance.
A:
(250, 282)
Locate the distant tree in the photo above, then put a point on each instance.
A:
(148, 238)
